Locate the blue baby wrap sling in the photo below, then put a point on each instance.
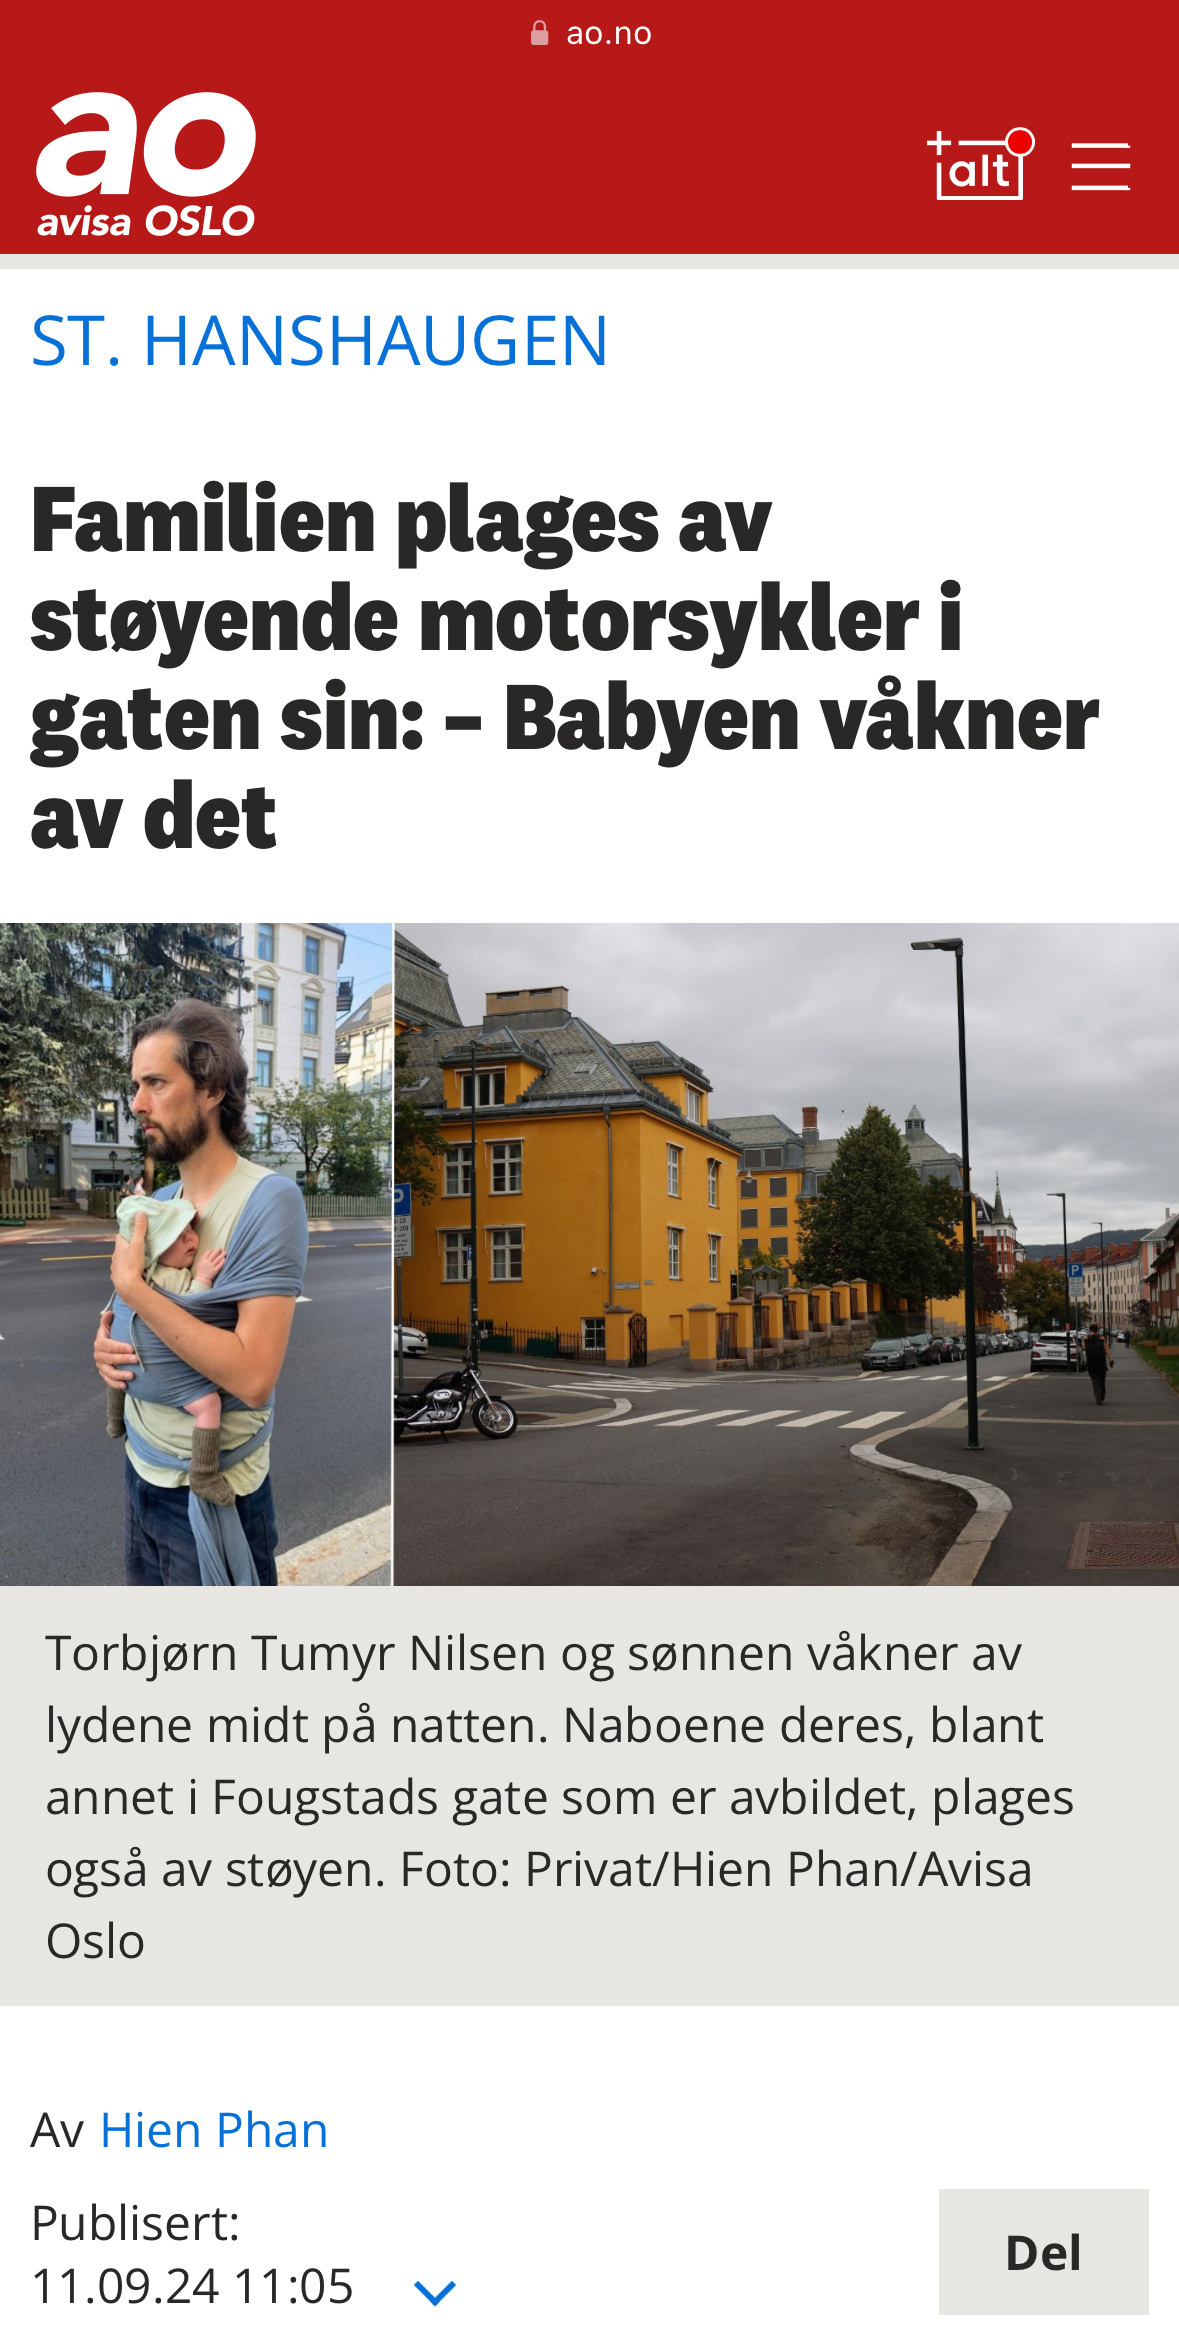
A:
(266, 1257)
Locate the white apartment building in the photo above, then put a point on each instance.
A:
(1120, 1288)
(289, 1018)
(364, 1051)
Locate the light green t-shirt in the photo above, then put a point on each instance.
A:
(162, 1424)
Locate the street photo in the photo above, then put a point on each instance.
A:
(783, 1253)
(195, 1239)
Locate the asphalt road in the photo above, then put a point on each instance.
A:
(63, 1477)
(733, 1479)
(1066, 1461)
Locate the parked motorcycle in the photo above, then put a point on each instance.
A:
(441, 1404)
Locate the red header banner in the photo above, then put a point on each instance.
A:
(479, 129)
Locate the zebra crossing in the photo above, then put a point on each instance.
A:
(680, 1416)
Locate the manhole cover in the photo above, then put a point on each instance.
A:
(1153, 1544)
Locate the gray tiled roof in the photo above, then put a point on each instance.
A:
(423, 989)
(929, 1156)
(577, 1065)
(657, 1060)
(755, 1133)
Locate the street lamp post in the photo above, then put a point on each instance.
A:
(1062, 1196)
(953, 946)
(1104, 1288)
(473, 1332)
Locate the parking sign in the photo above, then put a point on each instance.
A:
(402, 1220)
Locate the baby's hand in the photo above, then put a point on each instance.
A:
(208, 1265)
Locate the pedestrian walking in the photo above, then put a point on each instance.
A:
(1097, 1361)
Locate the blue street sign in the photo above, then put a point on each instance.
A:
(1076, 1271)
(401, 1199)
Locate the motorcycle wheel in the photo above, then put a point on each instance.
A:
(494, 1419)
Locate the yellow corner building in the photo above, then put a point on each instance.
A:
(606, 1203)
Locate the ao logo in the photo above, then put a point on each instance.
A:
(116, 144)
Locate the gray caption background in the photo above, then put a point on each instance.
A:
(1096, 1926)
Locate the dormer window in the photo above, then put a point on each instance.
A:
(489, 1088)
(694, 1106)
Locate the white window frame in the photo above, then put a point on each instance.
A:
(694, 1111)
(508, 1165)
(460, 1153)
(484, 1079)
(593, 1322)
(264, 1053)
(264, 1015)
(259, 927)
(714, 1168)
(714, 1249)
(499, 1236)
(675, 1159)
(675, 1252)
(455, 1237)
(310, 1004)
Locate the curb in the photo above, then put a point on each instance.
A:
(344, 1554)
(967, 1554)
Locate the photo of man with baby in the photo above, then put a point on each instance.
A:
(228, 1177)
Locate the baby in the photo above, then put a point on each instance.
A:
(172, 1262)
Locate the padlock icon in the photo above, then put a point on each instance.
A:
(540, 34)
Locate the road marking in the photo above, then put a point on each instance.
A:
(874, 1419)
(96, 1257)
(315, 1244)
(640, 1421)
(362, 1244)
(754, 1419)
(815, 1417)
(694, 1420)
(304, 1301)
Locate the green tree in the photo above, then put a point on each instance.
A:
(417, 1136)
(361, 1132)
(874, 1219)
(990, 1296)
(159, 963)
(60, 1037)
(338, 1134)
(302, 1117)
(1036, 1290)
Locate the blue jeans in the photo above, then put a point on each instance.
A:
(158, 1547)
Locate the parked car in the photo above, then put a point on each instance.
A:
(412, 1342)
(1052, 1352)
(941, 1350)
(891, 1354)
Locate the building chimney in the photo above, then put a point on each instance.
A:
(503, 1001)
(810, 1125)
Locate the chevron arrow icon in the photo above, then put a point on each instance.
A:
(433, 2298)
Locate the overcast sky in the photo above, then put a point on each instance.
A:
(1071, 1034)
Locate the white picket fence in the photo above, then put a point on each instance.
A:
(322, 1204)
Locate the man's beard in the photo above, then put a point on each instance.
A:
(178, 1142)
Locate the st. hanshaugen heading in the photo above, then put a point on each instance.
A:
(498, 338)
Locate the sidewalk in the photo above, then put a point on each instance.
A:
(1068, 1463)
(77, 1227)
